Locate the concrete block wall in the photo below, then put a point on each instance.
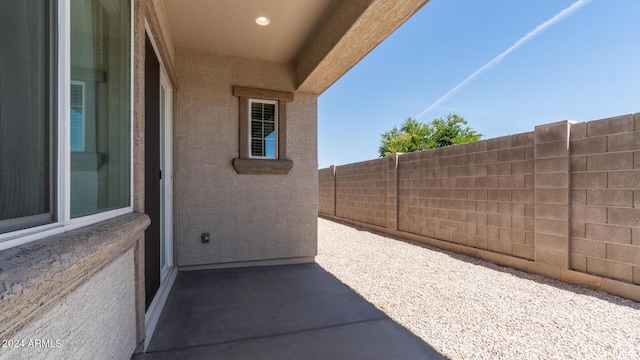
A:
(326, 191)
(562, 201)
(478, 194)
(551, 167)
(605, 198)
(361, 192)
(392, 191)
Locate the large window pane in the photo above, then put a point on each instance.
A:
(263, 129)
(100, 105)
(27, 121)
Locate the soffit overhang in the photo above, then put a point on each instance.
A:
(320, 39)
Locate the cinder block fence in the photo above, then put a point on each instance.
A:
(562, 201)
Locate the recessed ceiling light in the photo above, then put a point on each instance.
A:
(263, 21)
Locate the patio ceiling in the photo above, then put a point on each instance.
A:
(229, 26)
(321, 39)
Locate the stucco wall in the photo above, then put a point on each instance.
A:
(97, 321)
(250, 217)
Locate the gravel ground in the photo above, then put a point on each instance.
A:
(472, 309)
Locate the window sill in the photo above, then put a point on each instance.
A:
(39, 275)
(262, 167)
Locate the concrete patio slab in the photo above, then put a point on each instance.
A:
(278, 312)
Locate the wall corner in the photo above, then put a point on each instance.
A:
(392, 191)
(551, 194)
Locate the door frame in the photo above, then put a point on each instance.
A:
(169, 272)
(166, 166)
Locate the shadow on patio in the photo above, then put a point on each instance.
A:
(278, 312)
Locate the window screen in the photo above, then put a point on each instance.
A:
(27, 114)
(263, 136)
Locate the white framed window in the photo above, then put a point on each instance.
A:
(263, 132)
(263, 129)
(66, 143)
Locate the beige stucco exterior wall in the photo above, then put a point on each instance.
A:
(249, 217)
(97, 321)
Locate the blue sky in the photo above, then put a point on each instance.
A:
(584, 67)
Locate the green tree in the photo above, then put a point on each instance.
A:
(414, 135)
(411, 136)
(452, 130)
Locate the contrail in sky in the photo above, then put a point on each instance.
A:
(537, 31)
